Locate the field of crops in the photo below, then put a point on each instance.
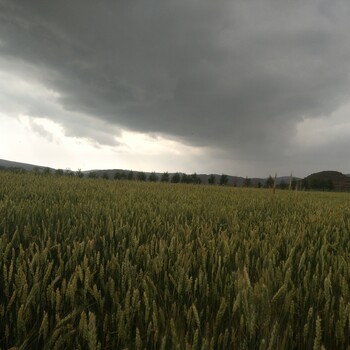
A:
(97, 264)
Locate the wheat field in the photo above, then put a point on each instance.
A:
(96, 264)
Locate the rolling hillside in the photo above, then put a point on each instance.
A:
(333, 180)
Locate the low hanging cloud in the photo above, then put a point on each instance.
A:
(233, 76)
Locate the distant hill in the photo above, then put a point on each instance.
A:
(329, 179)
(16, 165)
(110, 173)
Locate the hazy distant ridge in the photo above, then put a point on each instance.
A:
(340, 181)
(26, 166)
(232, 180)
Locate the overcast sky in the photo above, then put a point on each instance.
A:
(244, 87)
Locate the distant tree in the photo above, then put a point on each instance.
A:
(68, 172)
(47, 171)
(59, 172)
(186, 179)
(294, 184)
(79, 173)
(165, 177)
(92, 175)
(117, 175)
(141, 176)
(130, 175)
(195, 179)
(176, 178)
(223, 179)
(269, 182)
(105, 176)
(247, 182)
(211, 179)
(153, 177)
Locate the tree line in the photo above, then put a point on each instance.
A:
(223, 180)
(124, 175)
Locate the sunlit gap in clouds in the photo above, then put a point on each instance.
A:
(43, 141)
(154, 144)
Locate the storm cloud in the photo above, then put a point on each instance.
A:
(236, 77)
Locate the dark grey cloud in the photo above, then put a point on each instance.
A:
(236, 76)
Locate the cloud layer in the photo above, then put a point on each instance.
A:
(237, 77)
